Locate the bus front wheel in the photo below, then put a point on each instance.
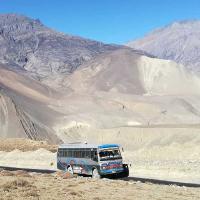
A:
(95, 174)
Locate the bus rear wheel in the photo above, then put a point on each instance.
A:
(70, 170)
(95, 174)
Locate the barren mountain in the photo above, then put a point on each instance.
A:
(27, 44)
(102, 88)
(24, 110)
(128, 71)
(109, 92)
(179, 41)
(127, 89)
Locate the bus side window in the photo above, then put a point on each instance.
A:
(72, 153)
(83, 154)
(87, 154)
(75, 154)
(78, 154)
(60, 153)
(94, 156)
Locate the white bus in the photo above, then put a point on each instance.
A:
(95, 160)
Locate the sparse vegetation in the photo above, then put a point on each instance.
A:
(21, 173)
(11, 185)
(8, 145)
(6, 173)
(22, 187)
(17, 188)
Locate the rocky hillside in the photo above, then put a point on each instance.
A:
(179, 41)
(27, 44)
(58, 87)
(127, 71)
(24, 110)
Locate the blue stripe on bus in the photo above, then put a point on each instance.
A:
(108, 146)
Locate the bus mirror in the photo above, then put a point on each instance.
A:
(122, 149)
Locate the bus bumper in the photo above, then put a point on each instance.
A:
(118, 172)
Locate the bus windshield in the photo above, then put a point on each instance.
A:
(110, 154)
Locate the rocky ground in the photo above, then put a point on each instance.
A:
(21, 185)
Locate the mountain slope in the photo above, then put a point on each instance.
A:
(127, 71)
(179, 41)
(120, 89)
(27, 44)
(24, 107)
(92, 87)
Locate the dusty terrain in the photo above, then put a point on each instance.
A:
(156, 162)
(157, 158)
(24, 145)
(20, 185)
(99, 96)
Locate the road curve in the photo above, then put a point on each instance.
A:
(143, 180)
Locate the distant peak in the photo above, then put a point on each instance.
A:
(176, 24)
(11, 18)
(186, 21)
(183, 22)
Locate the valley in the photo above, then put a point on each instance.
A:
(57, 88)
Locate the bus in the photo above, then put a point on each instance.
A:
(90, 159)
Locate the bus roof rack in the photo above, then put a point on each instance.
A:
(86, 145)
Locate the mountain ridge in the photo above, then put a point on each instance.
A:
(27, 44)
(178, 41)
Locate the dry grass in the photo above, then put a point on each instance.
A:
(21, 173)
(21, 144)
(49, 188)
(32, 193)
(6, 173)
(18, 189)
(8, 186)
(11, 185)
(18, 173)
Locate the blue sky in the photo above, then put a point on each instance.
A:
(110, 21)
